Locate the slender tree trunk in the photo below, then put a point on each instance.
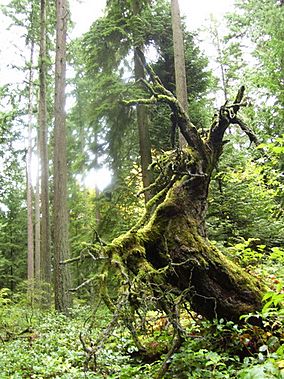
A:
(97, 191)
(31, 268)
(43, 148)
(12, 283)
(144, 136)
(98, 211)
(37, 224)
(179, 59)
(61, 243)
(142, 122)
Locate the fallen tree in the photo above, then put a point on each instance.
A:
(168, 248)
(166, 258)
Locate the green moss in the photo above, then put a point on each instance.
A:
(238, 276)
(169, 239)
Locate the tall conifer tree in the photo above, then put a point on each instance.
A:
(45, 258)
(61, 245)
(31, 268)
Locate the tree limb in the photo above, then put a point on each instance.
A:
(161, 94)
(247, 130)
(228, 115)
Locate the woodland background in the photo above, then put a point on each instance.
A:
(244, 219)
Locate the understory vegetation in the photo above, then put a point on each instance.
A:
(43, 344)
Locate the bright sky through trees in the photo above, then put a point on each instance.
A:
(196, 12)
(84, 13)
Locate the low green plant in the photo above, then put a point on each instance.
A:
(51, 348)
(274, 302)
(266, 370)
(277, 254)
(248, 252)
(203, 363)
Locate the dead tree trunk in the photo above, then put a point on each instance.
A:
(169, 248)
(166, 258)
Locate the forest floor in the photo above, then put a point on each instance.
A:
(40, 344)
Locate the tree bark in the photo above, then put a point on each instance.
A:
(179, 59)
(37, 223)
(61, 243)
(31, 267)
(43, 148)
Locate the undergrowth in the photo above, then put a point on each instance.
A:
(40, 345)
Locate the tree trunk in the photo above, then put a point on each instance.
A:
(171, 253)
(142, 121)
(37, 225)
(61, 243)
(43, 148)
(31, 267)
(144, 136)
(168, 248)
(179, 59)
(214, 286)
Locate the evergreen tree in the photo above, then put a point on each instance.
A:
(60, 210)
(45, 255)
(13, 214)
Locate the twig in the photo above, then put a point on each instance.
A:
(83, 284)
(99, 239)
(81, 257)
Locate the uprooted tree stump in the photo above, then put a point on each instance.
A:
(168, 248)
(166, 257)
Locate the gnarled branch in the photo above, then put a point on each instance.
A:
(160, 94)
(228, 115)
